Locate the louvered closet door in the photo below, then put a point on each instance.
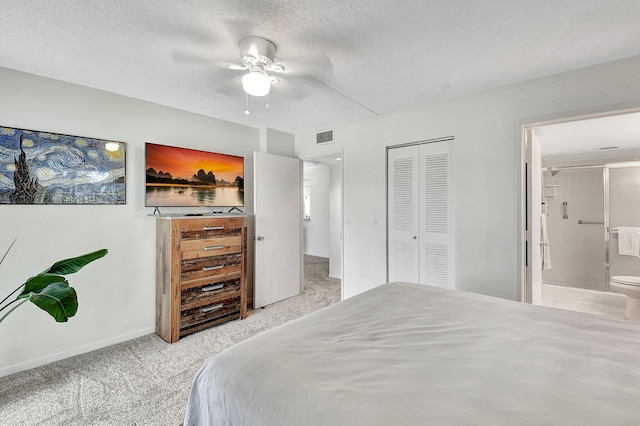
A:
(402, 165)
(434, 239)
(420, 234)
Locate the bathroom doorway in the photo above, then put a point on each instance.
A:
(583, 182)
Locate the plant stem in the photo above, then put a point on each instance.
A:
(1, 260)
(2, 308)
(12, 309)
(7, 252)
(5, 299)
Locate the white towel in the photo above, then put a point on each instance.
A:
(546, 254)
(628, 241)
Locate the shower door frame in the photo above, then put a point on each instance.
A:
(605, 166)
(605, 217)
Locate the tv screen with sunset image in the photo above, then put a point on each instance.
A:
(183, 177)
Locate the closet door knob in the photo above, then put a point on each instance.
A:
(415, 238)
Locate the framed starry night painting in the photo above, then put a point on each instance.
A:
(49, 168)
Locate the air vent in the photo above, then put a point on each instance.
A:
(324, 137)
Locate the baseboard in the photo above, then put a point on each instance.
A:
(337, 277)
(38, 362)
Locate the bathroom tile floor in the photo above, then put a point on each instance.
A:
(611, 305)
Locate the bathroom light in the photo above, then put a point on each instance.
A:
(256, 83)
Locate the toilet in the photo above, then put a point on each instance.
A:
(629, 286)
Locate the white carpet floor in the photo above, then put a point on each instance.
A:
(144, 381)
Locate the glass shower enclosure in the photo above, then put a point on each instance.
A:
(583, 207)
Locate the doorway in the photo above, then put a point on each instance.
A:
(322, 224)
(573, 171)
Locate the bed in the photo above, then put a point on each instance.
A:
(407, 354)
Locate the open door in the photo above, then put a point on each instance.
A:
(278, 228)
(534, 219)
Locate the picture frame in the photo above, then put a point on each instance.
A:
(39, 167)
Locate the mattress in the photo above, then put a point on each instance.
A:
(407, 354)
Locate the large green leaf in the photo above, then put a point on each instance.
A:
(39, 282)
(74, 264)
(49, 290)
(58, 299)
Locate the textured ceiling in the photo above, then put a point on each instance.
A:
(348, 59)
(613, 136)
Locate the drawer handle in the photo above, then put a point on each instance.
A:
(212, 287)
(212, 228)
(211, 308)
(213, 248)
(212, 268)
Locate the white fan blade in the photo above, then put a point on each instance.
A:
(237, 67)
(318, 65)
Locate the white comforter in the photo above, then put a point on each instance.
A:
(406, 354)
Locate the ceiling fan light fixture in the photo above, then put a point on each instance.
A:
(256, 83)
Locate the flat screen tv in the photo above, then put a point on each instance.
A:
(183, 177)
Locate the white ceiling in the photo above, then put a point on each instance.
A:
(610, 137)
(352, 59)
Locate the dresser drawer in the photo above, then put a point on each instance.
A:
(196, 316)
(201, 276)
(193, 269)
(193, 249)
(209, 292)
(195, 229)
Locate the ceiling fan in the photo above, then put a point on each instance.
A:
(257, 56)
(258, 60)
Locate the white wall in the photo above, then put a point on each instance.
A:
(277, 142)
(117, 293)
(486, 162)
(316, 230)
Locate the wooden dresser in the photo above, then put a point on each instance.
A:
(200, 273)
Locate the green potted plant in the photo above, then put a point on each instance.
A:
(50, 290)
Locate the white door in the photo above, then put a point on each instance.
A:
(420, 221)
(436, 246)
(535, 250)
(278, 228)
(402, 165)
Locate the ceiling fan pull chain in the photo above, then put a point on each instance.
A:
(267, 105)
(246, 104)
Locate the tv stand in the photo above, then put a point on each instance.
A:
(235, 208)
